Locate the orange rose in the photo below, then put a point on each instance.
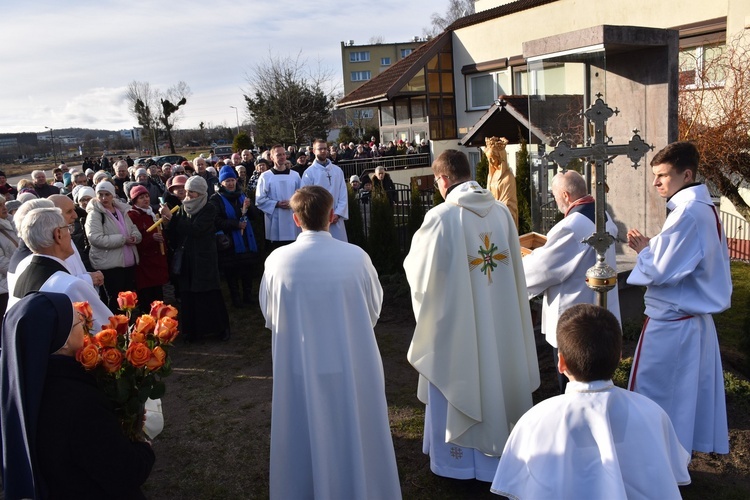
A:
(88, 339)
(119, 323)
(87, 315)
(106, 338)
(166, 329)
(159, 310)
(157, 360)
(137, 337)
(145, 324)
(138, 354)
(89, 356)
(127, 300)
(111, 359)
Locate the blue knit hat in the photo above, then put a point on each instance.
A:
(227, 172)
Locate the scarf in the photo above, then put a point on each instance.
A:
(192, 207)
(128, 251)
(580, 201)
(149, 210)
(243, 241)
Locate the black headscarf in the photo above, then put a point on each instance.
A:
(37, 326)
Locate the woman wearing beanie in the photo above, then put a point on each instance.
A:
(151, 272)
(81, 196)
(192, 234)
(113, 239)
(233, 213)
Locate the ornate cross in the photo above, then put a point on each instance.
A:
(600, 152)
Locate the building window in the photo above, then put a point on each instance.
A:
(363, 56)
(482, 90)
(385, 61)
(360, 76)
(406, 52)
(702, 66)
(363, 114)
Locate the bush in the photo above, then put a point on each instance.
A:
(241, 141)
(523, 188)
(416, 213)
(382, 240)
(483, 170)
(355, 229)
(620, 378)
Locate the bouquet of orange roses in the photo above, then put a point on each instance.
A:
(129, 358)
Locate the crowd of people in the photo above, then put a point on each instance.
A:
(125, 228)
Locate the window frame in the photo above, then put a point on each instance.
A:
(359, 56)
(365, 74)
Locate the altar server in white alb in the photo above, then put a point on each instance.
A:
(686, 271)
(275, 187)
(330, 436)
(558, 269)
(596, 440)
(473, 345)
(326, 174)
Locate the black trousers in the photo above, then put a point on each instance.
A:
(116, 280)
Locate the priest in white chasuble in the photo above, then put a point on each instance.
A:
(473, 345)
(330, 435)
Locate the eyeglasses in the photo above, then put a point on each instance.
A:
(69, 227)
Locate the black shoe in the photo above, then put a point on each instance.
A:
(225, 334)
(236, 303)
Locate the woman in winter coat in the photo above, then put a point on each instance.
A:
(193, 235)
(233, 213)
(113, 238)
(8, 245)
(151, 272)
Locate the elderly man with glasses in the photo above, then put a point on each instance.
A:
(46, 233)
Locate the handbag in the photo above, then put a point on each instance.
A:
(222, 241)
(176, 265)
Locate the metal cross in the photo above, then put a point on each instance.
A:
(600, 152)
(328, 173)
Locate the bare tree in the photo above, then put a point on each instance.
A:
(714, 113)
(456, 10)
(376, 40)
(174, 98)
(143, 103)
(152, 107)
(289, 103)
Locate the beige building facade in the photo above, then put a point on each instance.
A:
(447, 87)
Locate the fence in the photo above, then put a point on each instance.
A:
(737, 230)
(357, 167)
(401, 202)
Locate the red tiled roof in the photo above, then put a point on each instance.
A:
(388, 83)
(499, 11)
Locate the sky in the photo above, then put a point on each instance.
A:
(68, 63)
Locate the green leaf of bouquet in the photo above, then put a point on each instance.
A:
(158, 390)
(123, 390)
(143, 392)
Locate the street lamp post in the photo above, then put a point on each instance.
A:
(52, 140)
(237, 115)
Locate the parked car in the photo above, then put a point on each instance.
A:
(173, 159)
(223, 152)
(140, 161)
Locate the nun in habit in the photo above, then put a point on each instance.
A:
(60, 435)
